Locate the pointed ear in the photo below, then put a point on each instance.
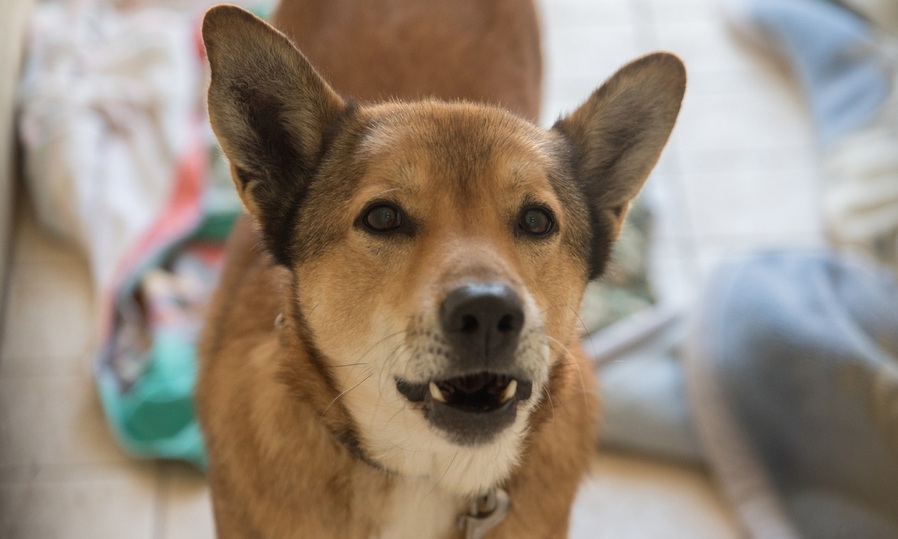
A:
(270, 111)
(616, 137)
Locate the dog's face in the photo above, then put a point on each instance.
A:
(439, 251)
(449, 283)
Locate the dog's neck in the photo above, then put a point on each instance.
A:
(310, 380)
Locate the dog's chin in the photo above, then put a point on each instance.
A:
(469, 410)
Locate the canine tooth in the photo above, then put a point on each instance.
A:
(436, 393)
(510, 390)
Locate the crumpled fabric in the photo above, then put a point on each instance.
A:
(108, 105)
(119, 160)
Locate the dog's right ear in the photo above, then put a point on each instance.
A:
(269, 110)
(616, 137)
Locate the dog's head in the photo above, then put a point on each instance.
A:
(439, 251)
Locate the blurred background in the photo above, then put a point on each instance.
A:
(742, 172)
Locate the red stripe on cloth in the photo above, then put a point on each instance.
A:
(180, 216)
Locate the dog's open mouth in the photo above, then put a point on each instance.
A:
(476, 393)
(471, 408)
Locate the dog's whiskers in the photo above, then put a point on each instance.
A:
(380, 385)
(380, 342)
(451, 462)
(392, 417)
(366, 364)
(585, 330)
(568, 354)
(343, 393)
(393, 356)
(551, 403)
(560, 346)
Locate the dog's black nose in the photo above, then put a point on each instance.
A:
(482, 321)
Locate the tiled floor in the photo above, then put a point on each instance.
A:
(739, 173)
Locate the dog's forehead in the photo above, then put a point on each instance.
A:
(456, 145)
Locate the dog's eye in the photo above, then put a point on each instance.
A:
(535, 221)
(382, 218)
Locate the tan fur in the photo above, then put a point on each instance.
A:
(402, 49)
(289, 409)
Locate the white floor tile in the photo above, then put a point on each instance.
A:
(584, 43)
(666, 11)
(563, 14)
(740, 120)
(705, 45)
(584, 54)
(49, 325)
(754, 201)
(51, 421)
(33, 244)
(186, 511)
(761, 75)
(110, 503)
(628, 497)
(50, 322)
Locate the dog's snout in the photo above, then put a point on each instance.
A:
(482, 320)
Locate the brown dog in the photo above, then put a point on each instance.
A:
(396, 337)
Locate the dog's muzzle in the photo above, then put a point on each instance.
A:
(477, 396)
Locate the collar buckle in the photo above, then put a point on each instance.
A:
(485, 513)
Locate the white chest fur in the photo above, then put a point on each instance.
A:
(416, 509)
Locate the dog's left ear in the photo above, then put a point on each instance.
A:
(616, 137)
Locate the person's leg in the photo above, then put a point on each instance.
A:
(792, 370)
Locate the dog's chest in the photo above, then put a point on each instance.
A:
(416, 509)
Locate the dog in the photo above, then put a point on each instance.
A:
(393, 348)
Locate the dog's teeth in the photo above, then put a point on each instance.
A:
(436, 393)
(510, 390)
